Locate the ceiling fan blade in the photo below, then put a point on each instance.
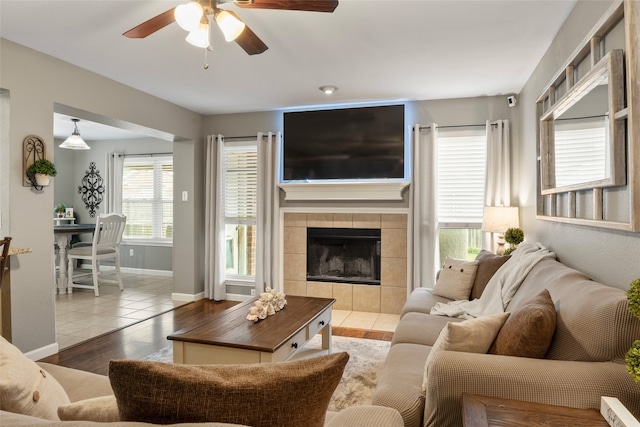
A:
(305, 5)
(250, 42)
(151, 26)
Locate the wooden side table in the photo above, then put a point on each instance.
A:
(484, 411)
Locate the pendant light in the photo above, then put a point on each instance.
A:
(74, 141)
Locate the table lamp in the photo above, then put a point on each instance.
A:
(497, 219)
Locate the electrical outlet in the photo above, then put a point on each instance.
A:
(130, 252)
(253, 292)
(185, 196)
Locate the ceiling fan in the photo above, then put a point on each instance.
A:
(196, 17)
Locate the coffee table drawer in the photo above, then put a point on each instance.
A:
(290, 347)
(318, 323)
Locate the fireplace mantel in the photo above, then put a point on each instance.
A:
(351, 190)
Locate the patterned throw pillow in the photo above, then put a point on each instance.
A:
(281, 394)
(26, 388)
(456, 279)
(529, 330)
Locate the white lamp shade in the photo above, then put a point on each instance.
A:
(200, 36)
(497, 219)
(230, 25)
(188, 15)
(74, 142)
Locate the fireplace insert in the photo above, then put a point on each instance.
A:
(343, 255)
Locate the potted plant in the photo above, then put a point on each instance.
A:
(514, 236)
(42, 170)
(633, 355)
(60, 209)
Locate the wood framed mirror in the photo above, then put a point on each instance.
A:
(582, 143)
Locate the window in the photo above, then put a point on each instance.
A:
(461, 175)
(240, 202)
(147, 198)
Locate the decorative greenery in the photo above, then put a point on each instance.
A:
(633, 355)
(42, 166)
(633, 360)
(514, 236)
(60, 208)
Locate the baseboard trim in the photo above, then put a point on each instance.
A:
(42, 352)
(187, 297)
(238, 297)
(131, 270)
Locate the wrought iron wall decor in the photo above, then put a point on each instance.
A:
(32, 150)
(92, 189)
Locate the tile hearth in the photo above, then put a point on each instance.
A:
(388, 297)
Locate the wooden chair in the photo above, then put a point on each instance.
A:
(4, 256)
(106, 245)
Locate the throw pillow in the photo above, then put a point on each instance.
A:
(103, 409)
(456, 279)
(26, 388)
(471, 336)
(529, 330)
(488, 264)
(282, 394)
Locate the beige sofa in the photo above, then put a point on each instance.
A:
(81, 385)
(585, 360)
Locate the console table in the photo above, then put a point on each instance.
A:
(484, 411)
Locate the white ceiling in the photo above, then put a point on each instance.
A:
(373, 50)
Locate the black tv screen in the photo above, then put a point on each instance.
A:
(346, 144)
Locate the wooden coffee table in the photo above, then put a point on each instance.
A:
(483, 411)
(228, 337)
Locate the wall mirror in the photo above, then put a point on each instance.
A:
(582, 145)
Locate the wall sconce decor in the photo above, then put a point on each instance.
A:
(92, 189)
(33, 150)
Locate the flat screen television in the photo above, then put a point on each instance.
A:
(344, 144)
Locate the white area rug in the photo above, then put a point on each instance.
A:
(359, 377)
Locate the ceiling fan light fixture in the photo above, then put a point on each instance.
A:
(188, 15)
(230, 24)
(75, 141)
(200, 36)
(328, 89)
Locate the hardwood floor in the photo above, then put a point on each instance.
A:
(143, 338)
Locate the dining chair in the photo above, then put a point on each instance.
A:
(4, 256)
(106, 245)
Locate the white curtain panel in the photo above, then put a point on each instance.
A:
(114, 167)
(214, 250)
(268, 219)
(498, 172)
(423, 209)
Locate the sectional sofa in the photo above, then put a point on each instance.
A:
(591, 334)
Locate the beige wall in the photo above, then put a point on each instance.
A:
(608, 256)
(35, 82)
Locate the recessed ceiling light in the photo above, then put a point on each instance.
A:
(328, 89)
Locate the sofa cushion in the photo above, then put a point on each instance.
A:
(26, 388)
(270, 394)
(529, 330)
(103, 409)
(421, 300)
(420, 328)
(471, 336)
(456, 279)
(488, 264)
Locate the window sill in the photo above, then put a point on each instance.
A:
(137, 242)
(344, 190)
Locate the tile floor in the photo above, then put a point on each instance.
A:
(81, 315)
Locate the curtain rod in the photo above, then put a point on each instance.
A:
(144, 154)
(243, 137)
(584, 118)
(495, 124)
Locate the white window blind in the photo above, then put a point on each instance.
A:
(147, 197)
(240, 191)
(461, 176)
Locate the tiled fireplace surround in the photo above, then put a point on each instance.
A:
(389, 297)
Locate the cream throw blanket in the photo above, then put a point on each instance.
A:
(502, 286)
